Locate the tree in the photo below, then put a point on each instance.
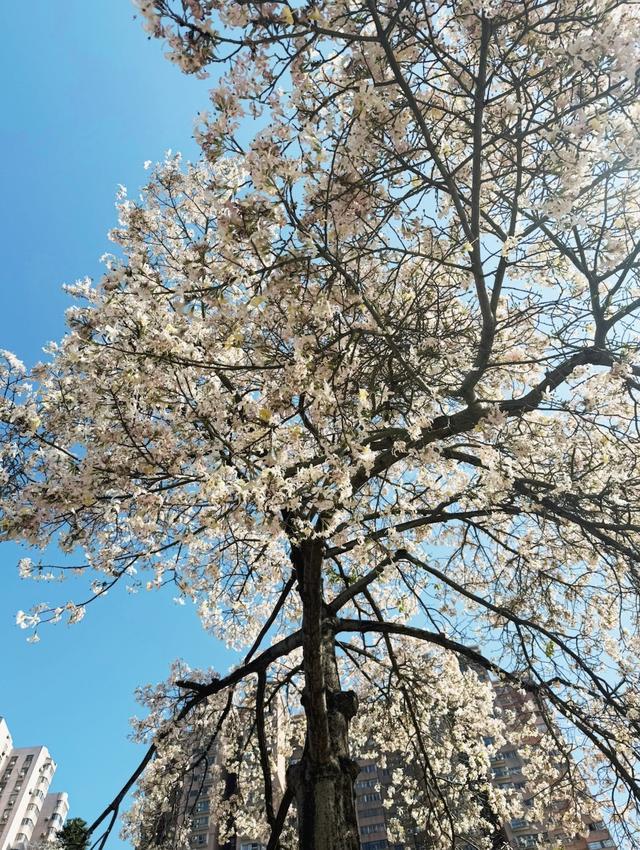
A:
(74, 835)
(366, 386)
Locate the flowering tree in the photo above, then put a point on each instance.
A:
(365, 386)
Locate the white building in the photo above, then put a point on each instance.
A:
(29, 814)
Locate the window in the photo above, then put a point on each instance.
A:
(371, 796)
(488, 741)
(507, 755)
(378, 812)
(252, 845)
(600, 845)
(372, 827)
(199, 840)
(32, 808)
(21, 837)
(56, 818)
(201, 806)
(368, 768)
(366, 783)
(518, 823)
(596, 824)
(376, 845)
(26, 822)
(201, 822)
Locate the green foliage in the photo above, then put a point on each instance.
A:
(74, 835)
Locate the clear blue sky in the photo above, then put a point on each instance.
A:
(85, 99)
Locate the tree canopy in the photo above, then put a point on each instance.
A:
(362, 384)
(73, 835)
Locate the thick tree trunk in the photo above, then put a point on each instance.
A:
(323, 781)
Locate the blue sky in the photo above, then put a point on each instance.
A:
(86, 99)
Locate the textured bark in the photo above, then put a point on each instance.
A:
(323, 781)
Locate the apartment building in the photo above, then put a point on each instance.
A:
(507, 772)
(209, 762)
(370, 811)
(507, 769)
(29, 813)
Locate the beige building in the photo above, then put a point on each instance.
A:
(370, 811)
(29, 814)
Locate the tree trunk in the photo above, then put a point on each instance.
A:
(323, 781)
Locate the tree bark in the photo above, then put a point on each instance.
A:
(323, 780)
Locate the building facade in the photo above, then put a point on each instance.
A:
(507, 772)
(29, 813)
(370, 811)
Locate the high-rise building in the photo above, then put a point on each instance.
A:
(29, 813)
(370, 810)
(197, 796)
(508, 771)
